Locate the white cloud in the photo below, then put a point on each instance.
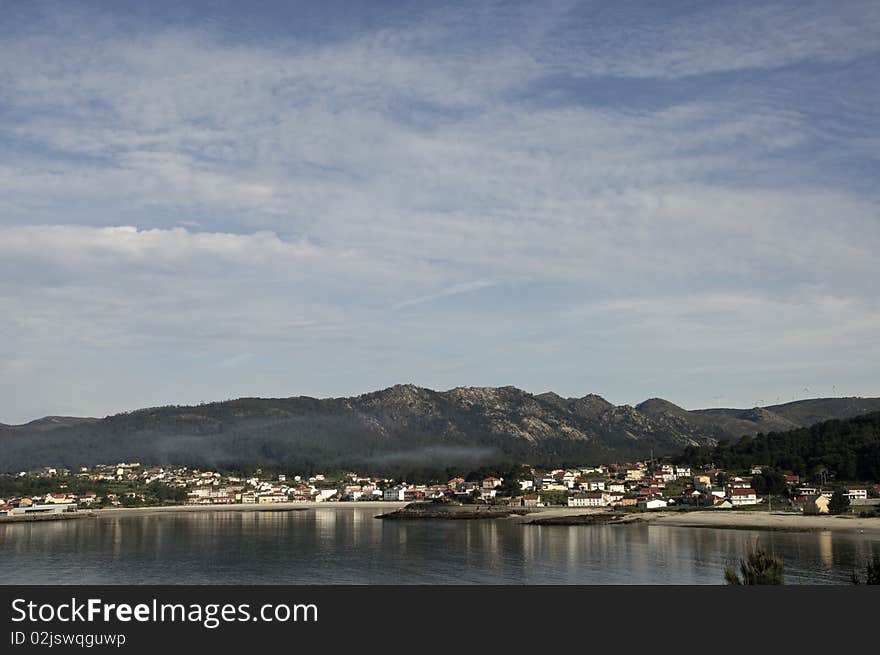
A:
(335, 184)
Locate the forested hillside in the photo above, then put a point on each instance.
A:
(844, 449)
(402, 426)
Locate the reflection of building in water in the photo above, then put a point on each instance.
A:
(485, 535)
(325, 521)
(826, 554)
(493, 539)
(354, 520)
(575, 543)
(531, 544)
(637, 550)
(117, 538)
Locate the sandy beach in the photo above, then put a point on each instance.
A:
(765, 521)
(728, 519)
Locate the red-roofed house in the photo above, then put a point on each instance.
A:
(743, 497)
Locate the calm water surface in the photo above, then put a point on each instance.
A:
(349, 546)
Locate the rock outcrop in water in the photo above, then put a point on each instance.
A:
(451, 512)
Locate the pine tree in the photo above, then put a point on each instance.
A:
(839, 502)
(759, 568)
(872, 572)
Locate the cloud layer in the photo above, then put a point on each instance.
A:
(585, 199)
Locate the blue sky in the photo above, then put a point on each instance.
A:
(201, 201)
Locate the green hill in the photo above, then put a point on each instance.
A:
(847, 449)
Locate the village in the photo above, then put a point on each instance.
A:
(637, 486)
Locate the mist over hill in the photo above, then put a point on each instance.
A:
(402, 426)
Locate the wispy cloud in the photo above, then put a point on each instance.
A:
(454, 290)
(177, 194)
(680, 40)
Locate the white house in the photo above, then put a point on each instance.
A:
(635, 473)
(55, 508)
(743, 497)
(394, 493)
(488, 494)
(60, 499)
(263, 499)
(613, 497)
(593, 499)
(651, 503)
(531, 500)
(88, 498)
(857, 493)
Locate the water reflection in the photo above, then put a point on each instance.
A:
(349, 546)
(826, 554)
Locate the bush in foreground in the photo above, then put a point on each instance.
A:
(872, 572)
(758, 568)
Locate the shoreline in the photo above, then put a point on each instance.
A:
(719, 519)
(242, 507)
(549, 516)
(111, 512)
(712, 519)
(43, 518)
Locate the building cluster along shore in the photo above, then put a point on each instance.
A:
(632, 486)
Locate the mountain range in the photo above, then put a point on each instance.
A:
(404, 426)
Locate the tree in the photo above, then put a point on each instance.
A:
(838, 449)
(770, 482)
(759, 568)
(509, 487)
(554, 497)
(164, 494)
(839, 502)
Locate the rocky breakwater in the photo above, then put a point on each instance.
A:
(604, 518)
(449, 511)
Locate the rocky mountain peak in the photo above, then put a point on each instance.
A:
(659, 406)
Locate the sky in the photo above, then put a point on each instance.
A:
(203, 201)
